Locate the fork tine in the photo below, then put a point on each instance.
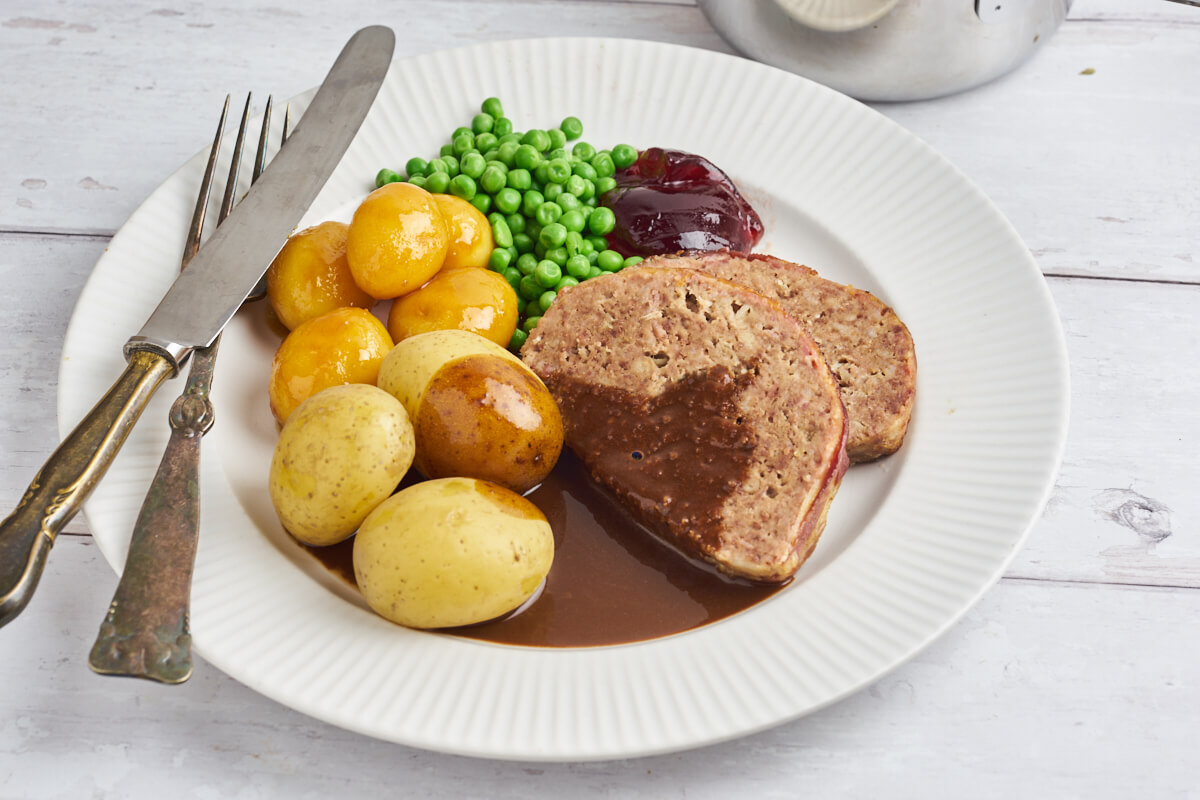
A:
(192, 243)
(260, 155)
(235, 165)
(287, 121)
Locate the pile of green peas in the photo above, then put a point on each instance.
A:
(542, 201)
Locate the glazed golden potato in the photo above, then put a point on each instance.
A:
(340, 455)
(466, 299)
(397, 240)
(346, 345)
(311, 276)
(469, 234)
(451, 552)
(477, 411)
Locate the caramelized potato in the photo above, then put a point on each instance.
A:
(477, 411)
(397, 240)
(467, 299)
(468, 232)
(311, 276)
(346, 345)
(341, 454)
(451, 552)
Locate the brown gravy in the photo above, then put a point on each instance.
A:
(611, 583)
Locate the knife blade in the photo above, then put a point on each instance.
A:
(195, 309)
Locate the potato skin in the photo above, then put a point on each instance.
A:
(340, 454)
(477, 410)
(485, 417)
(451, 552)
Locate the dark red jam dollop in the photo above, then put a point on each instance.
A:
(669, 200)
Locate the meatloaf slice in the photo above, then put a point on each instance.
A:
(866, 345)
(704, 408)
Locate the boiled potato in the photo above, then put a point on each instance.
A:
(466, 299)
(397, 240)
(311, 276)
(346, 345)
(477, 411)
(340, 455)
(450, 552)
(469, 233)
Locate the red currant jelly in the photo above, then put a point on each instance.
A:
(669, 200)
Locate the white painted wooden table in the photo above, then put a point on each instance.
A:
(1076, 676)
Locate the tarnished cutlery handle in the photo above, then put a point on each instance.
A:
(68, 477)
(146, 631)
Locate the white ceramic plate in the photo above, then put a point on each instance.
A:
(911, 542)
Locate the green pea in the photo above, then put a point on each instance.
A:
(447, 150)
(530, 202)
(584, 170)
(460, 130)
(553, 235)
(530, 323)
(507, 200)
(602, 221)
(519, 179)
(532, 308)
(603, 164)
(437, 182)
(527, 263)
(548, 212)
(512, 252)
(605, 184)
(498, 164)
(610, 261)
(576, 185)
(533, 231)
(506, 152)
(571, 221)
(530, 288)
(499, 260)
(541, 173)
(386, 176)
(453, 165)
(463, 142)
(574, 242)
(598, 242)
(565, 282)
(491, 180)
(437, 165)
(416, 166)
(558, 170)
(482, 123)
(501, 235)
(572, 128)
(593, 257)
(505, 138)
(577, 266)
(538, 139)
(547, 273)
(482, 202)
(463, 186)
(624, 155)
(583, 150)
(553, 191)
(518, 339)
(557, 153)
(586, 247)
(486, 141)
(491, 158)
(527, 156)
(417, 180)
(513, 276)
(557, 138)
(558, 255)
(493, 107)
(569, 202)
(547, 299)
(516, 222)
(472, 165)
(629, 262)
(523, 242)
(595, 272)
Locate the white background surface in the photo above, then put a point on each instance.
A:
(1074, 677)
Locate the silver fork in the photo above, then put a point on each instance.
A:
(146, 633)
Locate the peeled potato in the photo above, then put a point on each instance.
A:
(341, 453)
(451, 552)
(477, 411)
(469, 234)
(397, 240)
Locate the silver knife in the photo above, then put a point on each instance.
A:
(195, 309)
